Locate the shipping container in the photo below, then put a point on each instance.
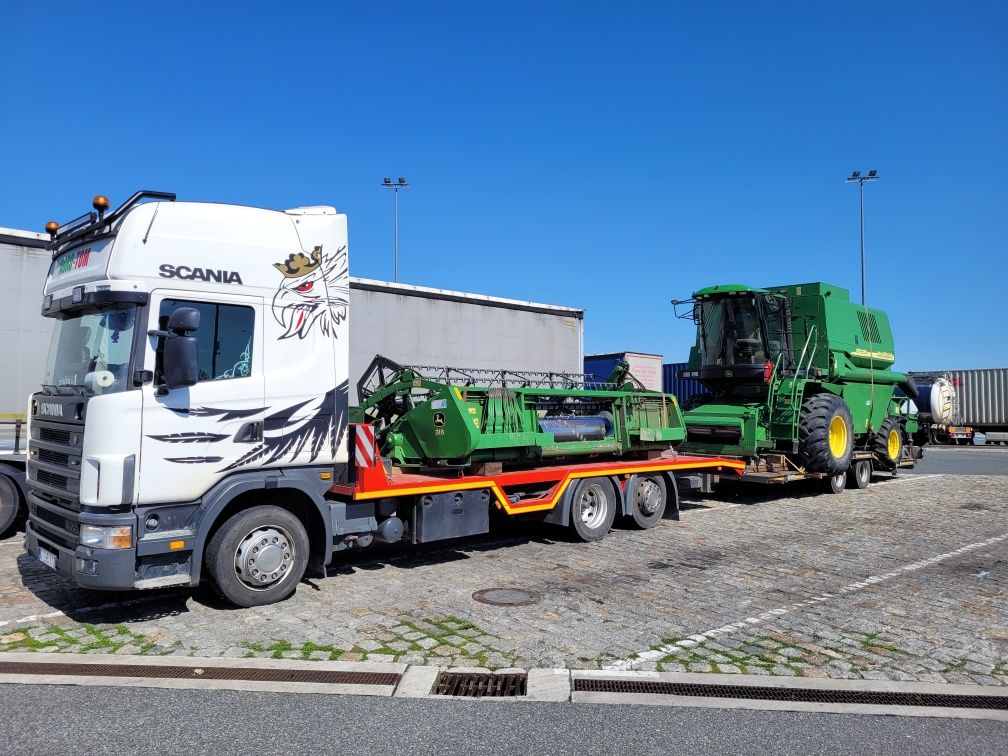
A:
(983, 397)
(684, 389)
(417, 325)
(646, 368)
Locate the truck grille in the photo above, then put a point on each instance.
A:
(54, 435)
(51, 479)
(54, 460)
(54, 457)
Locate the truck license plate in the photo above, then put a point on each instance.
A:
(47, 557)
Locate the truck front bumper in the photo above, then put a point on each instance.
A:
(106, 569)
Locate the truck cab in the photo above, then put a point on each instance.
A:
(198, 363)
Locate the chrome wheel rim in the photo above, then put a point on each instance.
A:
(264, 558)
(594, 506)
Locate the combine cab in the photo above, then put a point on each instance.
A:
(800, 384)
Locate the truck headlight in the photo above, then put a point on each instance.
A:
(111, 537)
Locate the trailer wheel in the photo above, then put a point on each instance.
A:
(836, 483)
(10, 503)
(888, 443)
(258, 556)
(648, 499)
(593, 508)
(826, 434)
(859, 475)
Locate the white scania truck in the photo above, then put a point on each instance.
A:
(193, 416)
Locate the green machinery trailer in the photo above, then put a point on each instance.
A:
(800, 384)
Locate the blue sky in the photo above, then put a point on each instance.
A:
(611, 156)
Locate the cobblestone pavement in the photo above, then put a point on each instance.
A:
(907, 580)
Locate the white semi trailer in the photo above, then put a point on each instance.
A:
(24, 334)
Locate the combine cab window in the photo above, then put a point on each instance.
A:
(731, 332)
(224, 338)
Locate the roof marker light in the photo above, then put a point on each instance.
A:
(51, 227)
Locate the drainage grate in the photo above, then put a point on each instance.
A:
(806, 695)
(200, 673)
(507, 597)
(479, 684)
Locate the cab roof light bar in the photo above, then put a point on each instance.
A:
(94, 222)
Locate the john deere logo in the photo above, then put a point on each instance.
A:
(727, 373)
(439, 419)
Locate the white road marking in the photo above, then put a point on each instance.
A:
(910, 479)
(654, 655)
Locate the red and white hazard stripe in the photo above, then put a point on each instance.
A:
(364, 450)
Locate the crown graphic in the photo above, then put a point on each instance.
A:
(300, 264)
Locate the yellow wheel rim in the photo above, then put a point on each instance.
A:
(837, 437)
(894, 444)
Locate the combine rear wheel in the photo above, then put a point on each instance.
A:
(888, 443)
(826, 434)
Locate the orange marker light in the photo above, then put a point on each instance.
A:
(325, 476)
(176, 545)
(100, 203)
(51, 227)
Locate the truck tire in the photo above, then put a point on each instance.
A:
(648, 498)
(10, 504)
(258, 556)
(826, 434)
(888, 443)
(836, 483)
(859, 474)
(593, 508)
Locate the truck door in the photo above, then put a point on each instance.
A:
(194, 436)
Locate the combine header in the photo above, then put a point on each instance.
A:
(452, 417)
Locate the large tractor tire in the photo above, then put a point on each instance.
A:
(888, 443)
(826, 434)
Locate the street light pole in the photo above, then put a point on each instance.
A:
(857, 177)
(396, 186)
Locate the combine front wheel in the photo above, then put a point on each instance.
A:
(825, 434)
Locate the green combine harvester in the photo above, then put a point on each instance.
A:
(450, 417)
(800, 384)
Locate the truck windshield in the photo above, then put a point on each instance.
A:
(730, 330)
(90, 353)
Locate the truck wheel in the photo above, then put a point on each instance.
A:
(10, 503)
(859, 475)
(826, 434)
(593, 508)
(258, 556)
(836, 483)
(649, 497)
(888, 443)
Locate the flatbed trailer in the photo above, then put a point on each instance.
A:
(562, 493)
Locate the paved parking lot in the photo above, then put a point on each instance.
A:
(907, 580)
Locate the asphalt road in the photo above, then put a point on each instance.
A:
(964, 460)
(65, 719)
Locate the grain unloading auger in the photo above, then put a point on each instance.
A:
(453, 417)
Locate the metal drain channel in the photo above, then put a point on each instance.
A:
(801, 695)
(480, 684)
(253, 674)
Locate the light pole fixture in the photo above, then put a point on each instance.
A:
(860, 180)
(401, 183)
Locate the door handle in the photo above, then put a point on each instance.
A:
(250, 433)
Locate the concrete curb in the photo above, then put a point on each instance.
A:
(543, 685)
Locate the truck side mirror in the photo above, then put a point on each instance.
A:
(181, 357)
